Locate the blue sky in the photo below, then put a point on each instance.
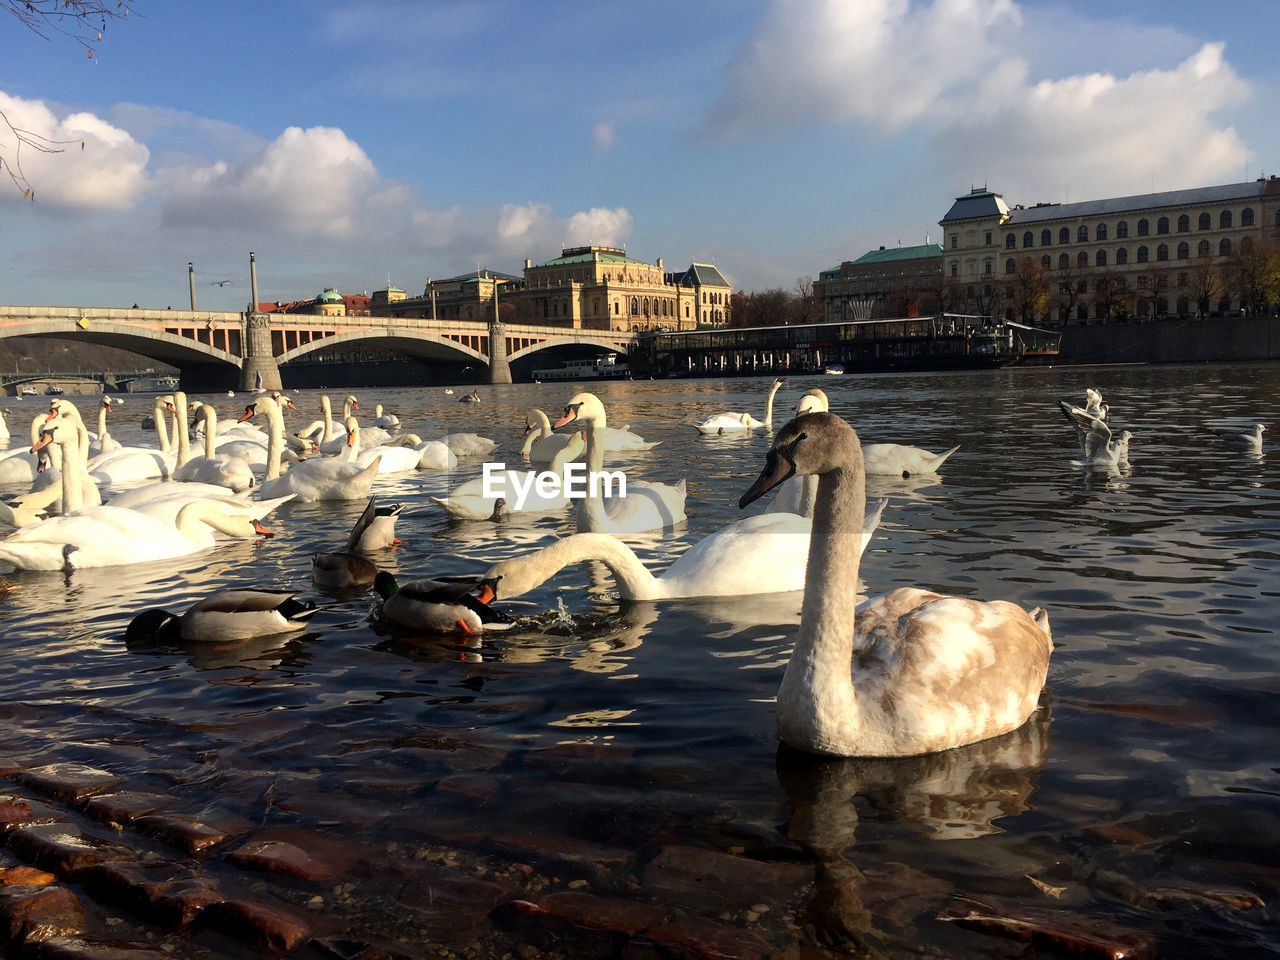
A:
(349, 144)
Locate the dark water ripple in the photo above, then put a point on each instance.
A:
(643, 733)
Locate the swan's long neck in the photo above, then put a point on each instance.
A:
(591, 513)
(816, 701)
(72, 470)
(522, 574)
(543, 430)
(102, 422)
(352, 446)
(275, 438)
(202, 511)
(158, 414)
(327, 407)
(210, 430)
(180, 435)
(768, 404)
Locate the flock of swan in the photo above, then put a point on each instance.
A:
(907, 673)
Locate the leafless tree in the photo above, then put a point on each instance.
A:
(1255, 274)
(84, 21)
(1205, 285)
(1027, 290)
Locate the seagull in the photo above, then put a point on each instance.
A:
(1097, 444)
(218, 283)
(1251, 441)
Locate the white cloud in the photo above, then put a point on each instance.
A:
(314, 181)
(598, 226)
(108, 173)
(602, 135)
(961, 72)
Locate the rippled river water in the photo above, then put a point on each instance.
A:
(606, 780)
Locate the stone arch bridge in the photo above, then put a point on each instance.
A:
(249, 348)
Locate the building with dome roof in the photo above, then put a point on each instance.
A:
(329, 303)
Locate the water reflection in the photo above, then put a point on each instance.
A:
(954, 795)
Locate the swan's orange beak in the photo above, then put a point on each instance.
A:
(248, 414)
(776, 469)
(570, 414)
(44, 441)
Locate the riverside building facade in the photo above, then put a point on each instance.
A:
(1175, 253)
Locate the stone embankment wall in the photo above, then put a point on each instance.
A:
(1173, 341)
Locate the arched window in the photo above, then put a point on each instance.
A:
(1162, 225)
(1204, 222)
(1046, 262)
(955, 268)
(1246, 246)
(1202, 248)
(1162, 252)
(635, 306)
(1082, 260)
(1100, 259)
(1224, 220)
(1063, 261)
(1224, 247)
(987, 267)
(1082, 235)
(1101, 232)
(1184, 223)
(1184, 251)
(1144, 228)
(1010, 241)
(1122, 256)
(1046, 237)
(1008, 265)
(1122, 230)
(1064, 235)
(1142, 254)
(1246, 217)
(1028, 240)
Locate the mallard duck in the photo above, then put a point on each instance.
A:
(236, 614)
(436, 606)
(374, 530)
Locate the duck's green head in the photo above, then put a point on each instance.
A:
(385, 584)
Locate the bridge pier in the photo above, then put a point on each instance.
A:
(499, 367)
(260, 368)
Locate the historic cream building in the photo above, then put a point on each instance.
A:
(1154, 254)
(601, 288)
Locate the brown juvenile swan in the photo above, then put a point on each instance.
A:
(907, 673)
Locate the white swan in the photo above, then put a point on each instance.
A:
(45, 496)
(765, 553)
(879, 459)
(646, 506)
(732, 422)
(432, 454)
(103, 442)
(384, 421)
(469, 502)
(542, 443)
(20, 466)
(907, 673)
(4, 427)
(390, 459)
(110, 536)
(225, 617)
(1251, 441)
(222, 469)
(129, 464)
(468, 444)
(323, 478)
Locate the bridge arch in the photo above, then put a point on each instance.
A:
(164, 347)
(428, 346)
(576, 344)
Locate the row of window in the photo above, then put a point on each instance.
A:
(1204, 222)
(1101, 259)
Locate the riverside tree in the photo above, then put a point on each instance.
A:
(84, 22)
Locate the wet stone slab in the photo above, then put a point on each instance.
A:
(125, 806)
(80, 948)
(301, 854)
(69, 782)
(63, 850)
(169, 895)
(32, 914)
(263, 927)
(193, 836)
(16, 810)
(714, 882)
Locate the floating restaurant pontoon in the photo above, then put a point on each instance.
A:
(947, 342)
